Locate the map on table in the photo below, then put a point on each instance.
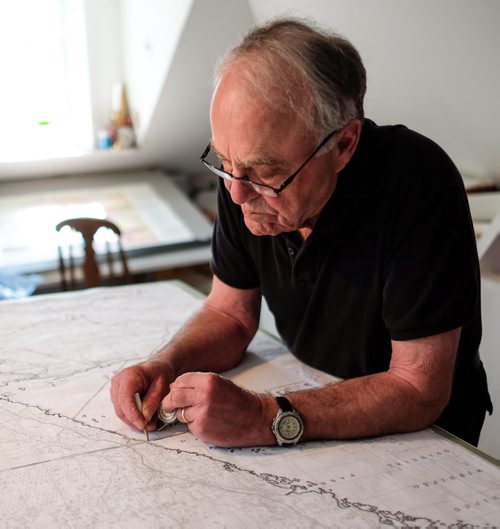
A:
(67, 461)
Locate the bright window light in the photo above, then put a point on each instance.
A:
(45, 107)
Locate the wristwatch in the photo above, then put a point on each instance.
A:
(288, 425)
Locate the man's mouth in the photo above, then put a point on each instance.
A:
(256, 211)
(256, 216)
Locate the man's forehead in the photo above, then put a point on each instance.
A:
(249, 131)
(236, 104)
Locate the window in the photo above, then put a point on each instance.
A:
(45, 109)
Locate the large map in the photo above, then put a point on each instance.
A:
(67, 461)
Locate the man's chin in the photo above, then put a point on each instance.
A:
(259, 229)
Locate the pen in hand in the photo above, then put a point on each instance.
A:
(138, 401)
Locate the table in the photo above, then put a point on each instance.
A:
(161, 228)
(67, 461)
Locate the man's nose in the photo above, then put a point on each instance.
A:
(240, 191)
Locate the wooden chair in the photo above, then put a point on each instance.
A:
(91, 273)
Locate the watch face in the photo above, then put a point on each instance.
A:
(289, 427)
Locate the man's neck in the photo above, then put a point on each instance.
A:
(304, 233)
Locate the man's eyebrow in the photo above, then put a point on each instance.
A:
(216, 152)
(262, 160)
(253, 162)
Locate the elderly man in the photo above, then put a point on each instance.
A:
(360, 239)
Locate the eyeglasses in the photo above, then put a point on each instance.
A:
(264, 189)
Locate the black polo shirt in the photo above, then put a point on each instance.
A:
(392, 256)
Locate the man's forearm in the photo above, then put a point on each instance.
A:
(363, 407)
(409, 396)
(209, 341)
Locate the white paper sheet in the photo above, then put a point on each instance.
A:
(67, 461)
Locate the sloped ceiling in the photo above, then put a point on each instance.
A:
(179, 128)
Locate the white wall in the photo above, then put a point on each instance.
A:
(179, 129)
(432, 65)
(104, 55)
(490, 349)
(151, 30)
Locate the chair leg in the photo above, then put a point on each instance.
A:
(110, 263)
(62, 270)
(72, 278)
(126, 272)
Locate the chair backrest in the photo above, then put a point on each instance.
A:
(91, 273)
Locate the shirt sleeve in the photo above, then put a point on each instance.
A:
(431, 271)
(231, 260)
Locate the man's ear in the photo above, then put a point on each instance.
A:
(347, 142)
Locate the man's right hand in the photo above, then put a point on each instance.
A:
(151, 380)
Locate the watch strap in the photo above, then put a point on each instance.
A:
(284, 404)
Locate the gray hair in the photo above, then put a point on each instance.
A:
(318, 74)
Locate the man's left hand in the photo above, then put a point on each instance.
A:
(219, 412)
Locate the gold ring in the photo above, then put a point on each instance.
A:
(182, 417)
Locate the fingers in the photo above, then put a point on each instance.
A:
(126, 399)
(152, 398)
(179, 398)
(181, 416)
(120, 413)
(193, 379)
(123, 389)
(125, 384)
(184, 394)
(187, 390)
